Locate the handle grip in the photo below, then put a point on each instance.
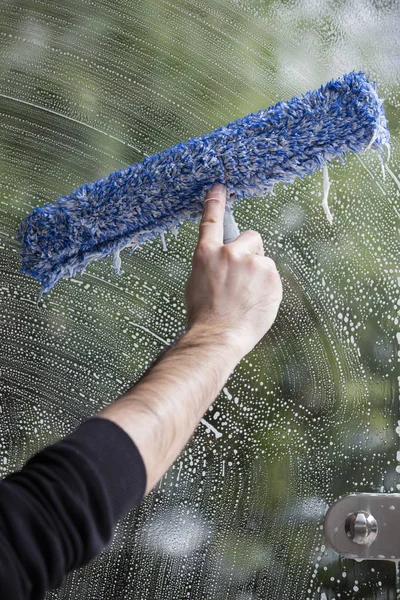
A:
(231, 229)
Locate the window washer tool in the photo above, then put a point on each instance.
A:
(248, 156)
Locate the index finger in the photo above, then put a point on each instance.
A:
(212, 222)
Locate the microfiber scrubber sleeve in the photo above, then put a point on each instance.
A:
(249, 156)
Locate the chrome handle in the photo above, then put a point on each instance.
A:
(365, 526)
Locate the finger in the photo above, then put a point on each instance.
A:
(268, 262)
(212, 222)
(251, 241)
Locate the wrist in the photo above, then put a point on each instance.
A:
(215, 337)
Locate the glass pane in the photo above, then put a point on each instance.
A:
(311, 413)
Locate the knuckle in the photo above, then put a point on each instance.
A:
(202, 251)
(253, 268)
(204, 246)
(254, 241)
(254, 234)
(230, 253)
(254, 238)
(213, 201)
(208, 219)
(274, 276)
(275, 280)
(270, 264)
(251, 260)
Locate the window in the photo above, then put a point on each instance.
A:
(311, 413)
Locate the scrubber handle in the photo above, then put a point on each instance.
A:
(231, 230)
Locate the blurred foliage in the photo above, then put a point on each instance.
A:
(310, 414)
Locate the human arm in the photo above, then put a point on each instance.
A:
(61, 509)
(161, 412)
(232, 299)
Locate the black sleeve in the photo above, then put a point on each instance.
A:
(61, 509)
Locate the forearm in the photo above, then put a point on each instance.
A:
(161, 412)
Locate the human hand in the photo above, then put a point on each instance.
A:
(234, 290)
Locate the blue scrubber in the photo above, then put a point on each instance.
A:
(249, 156)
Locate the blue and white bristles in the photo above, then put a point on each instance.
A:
(249, 156)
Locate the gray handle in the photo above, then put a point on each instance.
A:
(231, 230)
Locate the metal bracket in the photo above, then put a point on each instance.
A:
(365, 526)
